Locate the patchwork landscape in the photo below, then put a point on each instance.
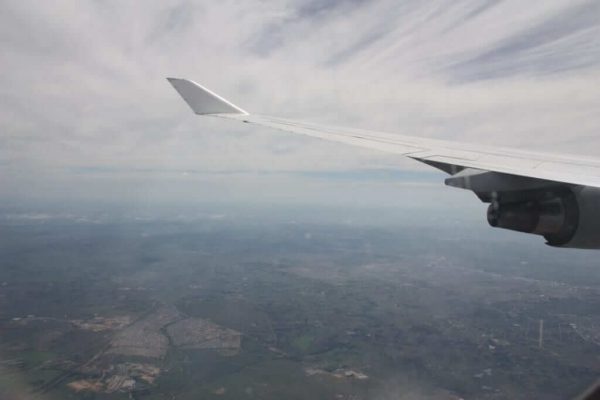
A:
(216, 309)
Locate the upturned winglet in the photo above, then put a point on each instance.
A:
(201, 100)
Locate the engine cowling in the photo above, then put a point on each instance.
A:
(565, 217)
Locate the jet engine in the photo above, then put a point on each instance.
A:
(565, 217)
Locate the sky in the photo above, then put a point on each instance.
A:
(86, 112)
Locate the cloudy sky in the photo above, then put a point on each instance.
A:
(85, 107)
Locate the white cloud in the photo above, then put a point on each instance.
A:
(83, 81)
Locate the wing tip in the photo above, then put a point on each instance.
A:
(202, 100)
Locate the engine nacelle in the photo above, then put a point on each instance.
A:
(568, 217)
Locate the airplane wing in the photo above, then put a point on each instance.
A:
(496, 175)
